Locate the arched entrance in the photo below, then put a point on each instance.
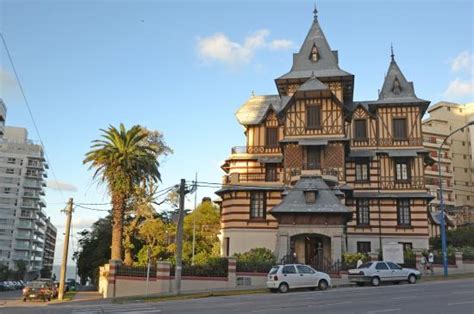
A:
(311, 249)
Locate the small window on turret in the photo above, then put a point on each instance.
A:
(310, 197)
(314, 54)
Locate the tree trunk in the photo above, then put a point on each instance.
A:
(128, 250)
(118, 202)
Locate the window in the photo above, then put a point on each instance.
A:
(363, 212)
(362, 170)
(271, 173)
(399, 128)
(271, 137)
(10, 171)
(363, 247)
(304, 269)
(381, 266)
(11, 160)
(288, 270)
(402, 169)
(310, 197)
(7, 190)
(394, 266)
(226, 246)
(257, 205)
(360, 129)
(403, 212)
(313, 117)
(407, 246)
(314, 157)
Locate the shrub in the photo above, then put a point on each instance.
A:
(460, 237)
(256, 260)
(214, 267)
(468, 253)
(352, 258)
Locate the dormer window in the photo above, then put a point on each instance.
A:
(396, 89)
(310, 197)
(314, 54)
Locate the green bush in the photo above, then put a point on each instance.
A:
(214, 267)
(468, 253)
(460, 237)
(256, 260)
(352, 258)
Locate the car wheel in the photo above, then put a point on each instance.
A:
(360, 284)
(412, 279)
(322, 285)
(283, 288)
(375, 281)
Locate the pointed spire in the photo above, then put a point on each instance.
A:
(315, 13)
(392, 55)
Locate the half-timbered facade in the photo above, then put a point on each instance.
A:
(322, 174)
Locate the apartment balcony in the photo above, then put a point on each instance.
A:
(18, 257)
(435, 183)
(256, 150)
(35, 185)
(433, 171)
(25, 224)
(23, 236)
(413, 183)
(310, 169)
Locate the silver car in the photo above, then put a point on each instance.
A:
(284, 277)
(376, 272)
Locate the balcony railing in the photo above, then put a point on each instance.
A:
(413, 141)
(251, 177)
(414, 183)
(256, 150)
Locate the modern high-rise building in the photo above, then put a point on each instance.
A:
(456, 160)
(23, 221)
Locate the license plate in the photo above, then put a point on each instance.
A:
(32, 295)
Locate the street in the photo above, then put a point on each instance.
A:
(454, 296)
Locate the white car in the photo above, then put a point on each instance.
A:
(376, 272)
(285, 277)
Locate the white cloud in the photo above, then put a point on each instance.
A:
(459, 88)
(58, 185)
(219, 47)
(463, 62)
(281, 44)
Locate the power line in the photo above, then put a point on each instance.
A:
(31, 114)
(95, 209)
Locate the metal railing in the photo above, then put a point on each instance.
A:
(370, 141)
(135, 271)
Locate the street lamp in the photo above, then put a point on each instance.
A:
(441, 201)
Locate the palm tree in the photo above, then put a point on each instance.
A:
(122, 160)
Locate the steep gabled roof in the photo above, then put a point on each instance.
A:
(396, 89)
(254, 110)
(326, 199)
(313, 84)
(326, 64)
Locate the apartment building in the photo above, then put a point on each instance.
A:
(23, 221)
(456, 159)
(49, 246)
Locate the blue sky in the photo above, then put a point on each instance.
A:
(184, 68)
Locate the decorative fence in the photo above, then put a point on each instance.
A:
(135, 271)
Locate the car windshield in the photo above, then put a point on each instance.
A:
(36, 285)
(274, 270)
(365, 265)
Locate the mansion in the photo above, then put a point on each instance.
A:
(321, 173)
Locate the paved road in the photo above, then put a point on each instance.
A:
(451, 297)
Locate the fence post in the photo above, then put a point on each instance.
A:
(418, 255)
(163, 276)
(232, 272)
(459, 261)
(112, 278)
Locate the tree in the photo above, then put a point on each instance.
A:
(122, 159)
(207, 220)
(95, 249)
(156, 235)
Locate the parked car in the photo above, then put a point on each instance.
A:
(38, 290)
(382, 271)
(284, 277)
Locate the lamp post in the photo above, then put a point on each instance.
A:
(441, 201)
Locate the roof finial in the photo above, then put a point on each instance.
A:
(253, 93)
(392, 55)
(315, 13)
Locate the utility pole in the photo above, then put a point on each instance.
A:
(179, 239)
(194, 221)
(65, 249)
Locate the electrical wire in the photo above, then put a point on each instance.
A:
(90, 208)
(31, 114)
